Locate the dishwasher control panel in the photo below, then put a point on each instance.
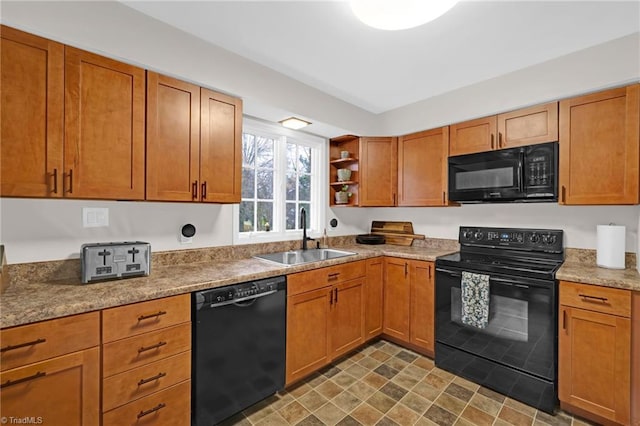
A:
(239, 292)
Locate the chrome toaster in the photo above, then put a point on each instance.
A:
(108, 261)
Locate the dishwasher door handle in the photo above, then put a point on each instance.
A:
(243, 299)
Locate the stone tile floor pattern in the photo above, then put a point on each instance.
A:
(384, 384)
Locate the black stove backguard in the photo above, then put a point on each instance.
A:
(516, 353)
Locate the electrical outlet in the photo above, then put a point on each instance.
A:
(95, 217)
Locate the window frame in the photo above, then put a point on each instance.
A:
(281, 136)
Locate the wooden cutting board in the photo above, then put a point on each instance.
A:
(398, 233)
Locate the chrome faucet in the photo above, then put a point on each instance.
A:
(303, 223)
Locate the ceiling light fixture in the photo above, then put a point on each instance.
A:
(294, 123)
(399, 14)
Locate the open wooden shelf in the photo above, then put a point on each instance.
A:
(346, 182)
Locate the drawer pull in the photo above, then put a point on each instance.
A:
(160, 406)
(22, 345)
(586, 296)
(24, 379)
(333, 276)
(151, 379)
(149, 348)
(156, 315)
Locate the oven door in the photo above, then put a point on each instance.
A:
(521, 332)
(486, 176)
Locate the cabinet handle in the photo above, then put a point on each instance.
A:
(444, 198)
(149, 348)
(406, 266)
(70, 181)
(204, 190)
(499, 139)
(492, 144)
(564, 191)
(151, 379)
(336, 290)
(333, 276)
(22, 345)
(331, 297)
(157, 314)
(24, 379)
(55, 181)
(160, 406)
(194, 190)
(586, 296)
(564, 319)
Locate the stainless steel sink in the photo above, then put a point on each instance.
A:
(297, 257)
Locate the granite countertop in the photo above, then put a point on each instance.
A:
(589, 273)
(25, 302)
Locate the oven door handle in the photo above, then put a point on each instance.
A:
(501, 281)
(447, 271)
(508, 282)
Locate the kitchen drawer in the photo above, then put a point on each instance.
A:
(142, 381)
(596, 298)
(31, 343)
(138, 318)
(171, 406)
(136, 351)
(318, 278)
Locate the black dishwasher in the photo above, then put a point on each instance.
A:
(238, 356)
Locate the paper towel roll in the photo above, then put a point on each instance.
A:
(611, 245)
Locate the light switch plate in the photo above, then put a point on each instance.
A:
(95, 217)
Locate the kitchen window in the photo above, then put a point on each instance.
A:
(282, 172)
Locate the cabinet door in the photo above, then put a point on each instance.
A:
(104, 152)
(599, 147)
(374, 292)
(473, 136)
(378, 171)
(397, 298)
(59, 391)
(422, 168)
(307, 333)
(32, 102)
(422, 306)
(528, 126)
(220, 147)
(347, 317)
(594, 362)
(173, 139)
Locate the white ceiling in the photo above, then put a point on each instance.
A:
(320, 43)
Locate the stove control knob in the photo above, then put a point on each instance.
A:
(467, 234)
(219, 299)
(478, 235)
(549, 239)
(534, 238)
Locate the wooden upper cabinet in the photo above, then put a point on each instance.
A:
(528, 126)
(32, 99)
(422, 168)
(173, 139)
(104, 153)
(599, 147)
(378, 171)
(220, 147)
(473, 136)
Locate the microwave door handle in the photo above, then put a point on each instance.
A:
(521, 172)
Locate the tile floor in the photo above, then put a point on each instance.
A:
(384, 384)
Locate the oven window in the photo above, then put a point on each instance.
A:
(508, 317)
(501, 177)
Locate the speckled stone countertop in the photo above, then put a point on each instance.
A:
(26, 302)
(580, 266)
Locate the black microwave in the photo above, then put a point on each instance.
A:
(522, 174)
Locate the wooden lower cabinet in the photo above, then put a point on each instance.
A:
(59, 391)
(594, 353)
(409, 303)
(373, 298)
(325, 317)
(307, 333)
